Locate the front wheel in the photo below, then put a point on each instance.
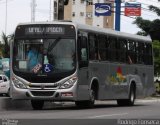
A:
(37, 104)
(131, 100)
(88, 103)
(8, 93)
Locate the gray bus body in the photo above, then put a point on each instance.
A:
(109, 65)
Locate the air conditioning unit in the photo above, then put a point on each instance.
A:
(89, 15)
(81, 13)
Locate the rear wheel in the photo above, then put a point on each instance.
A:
(131, 100)
(37, 104)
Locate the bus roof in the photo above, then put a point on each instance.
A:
(96, 29)
(115, 33)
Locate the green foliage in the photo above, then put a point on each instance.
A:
(155, 25)
(151, 28)
(142, 33)
(148, 27)
(1, 47)
(5, 45)
(143, 24)
(156, 51)
(155, 9)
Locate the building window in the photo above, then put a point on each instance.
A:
(73, 14)
(89, 15)
(73, 1)
(82, 1)
(81, 13)
(89, 2)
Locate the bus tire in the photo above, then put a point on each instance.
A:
(8, 93)
(130, 101)
(91, 102)
(88, 103)
(37, 104)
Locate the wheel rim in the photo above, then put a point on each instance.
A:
(132, 96)
(92, 95)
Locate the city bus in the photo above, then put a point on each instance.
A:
(79, 63)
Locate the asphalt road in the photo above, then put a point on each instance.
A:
(67, 112)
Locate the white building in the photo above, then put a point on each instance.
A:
(84, 12)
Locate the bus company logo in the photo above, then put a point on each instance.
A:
(117, 78)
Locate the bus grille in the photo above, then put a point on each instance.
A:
(45, 87)
(42, 93)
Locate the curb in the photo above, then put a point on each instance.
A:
(148, 100)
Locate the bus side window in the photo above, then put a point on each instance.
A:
(83, 51)
(112, 48)
(93, 47)
(131, 52)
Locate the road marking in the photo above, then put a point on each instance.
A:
(99, 116)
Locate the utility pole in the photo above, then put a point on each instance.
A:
(60, 9)
(50, 10)
(117, 15)
(61, 4)
(33, 10)
(6, 16)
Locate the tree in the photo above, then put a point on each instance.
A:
(144, 25)
(148, 27)
(151, 28)
(1, 47)
(155, 9)
(156, 48)
(155, 30)
(155, 25)
(5, 45)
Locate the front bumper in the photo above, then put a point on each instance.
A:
(45, 94)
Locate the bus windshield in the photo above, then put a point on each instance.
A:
(44, 56)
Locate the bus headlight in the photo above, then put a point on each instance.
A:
(18, 84)
(69, 83)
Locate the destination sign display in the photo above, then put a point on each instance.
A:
(44, 30)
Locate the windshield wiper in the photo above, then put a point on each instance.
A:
(53, 44)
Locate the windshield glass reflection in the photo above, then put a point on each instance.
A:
(43, 56)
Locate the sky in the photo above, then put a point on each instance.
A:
(20, 11)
